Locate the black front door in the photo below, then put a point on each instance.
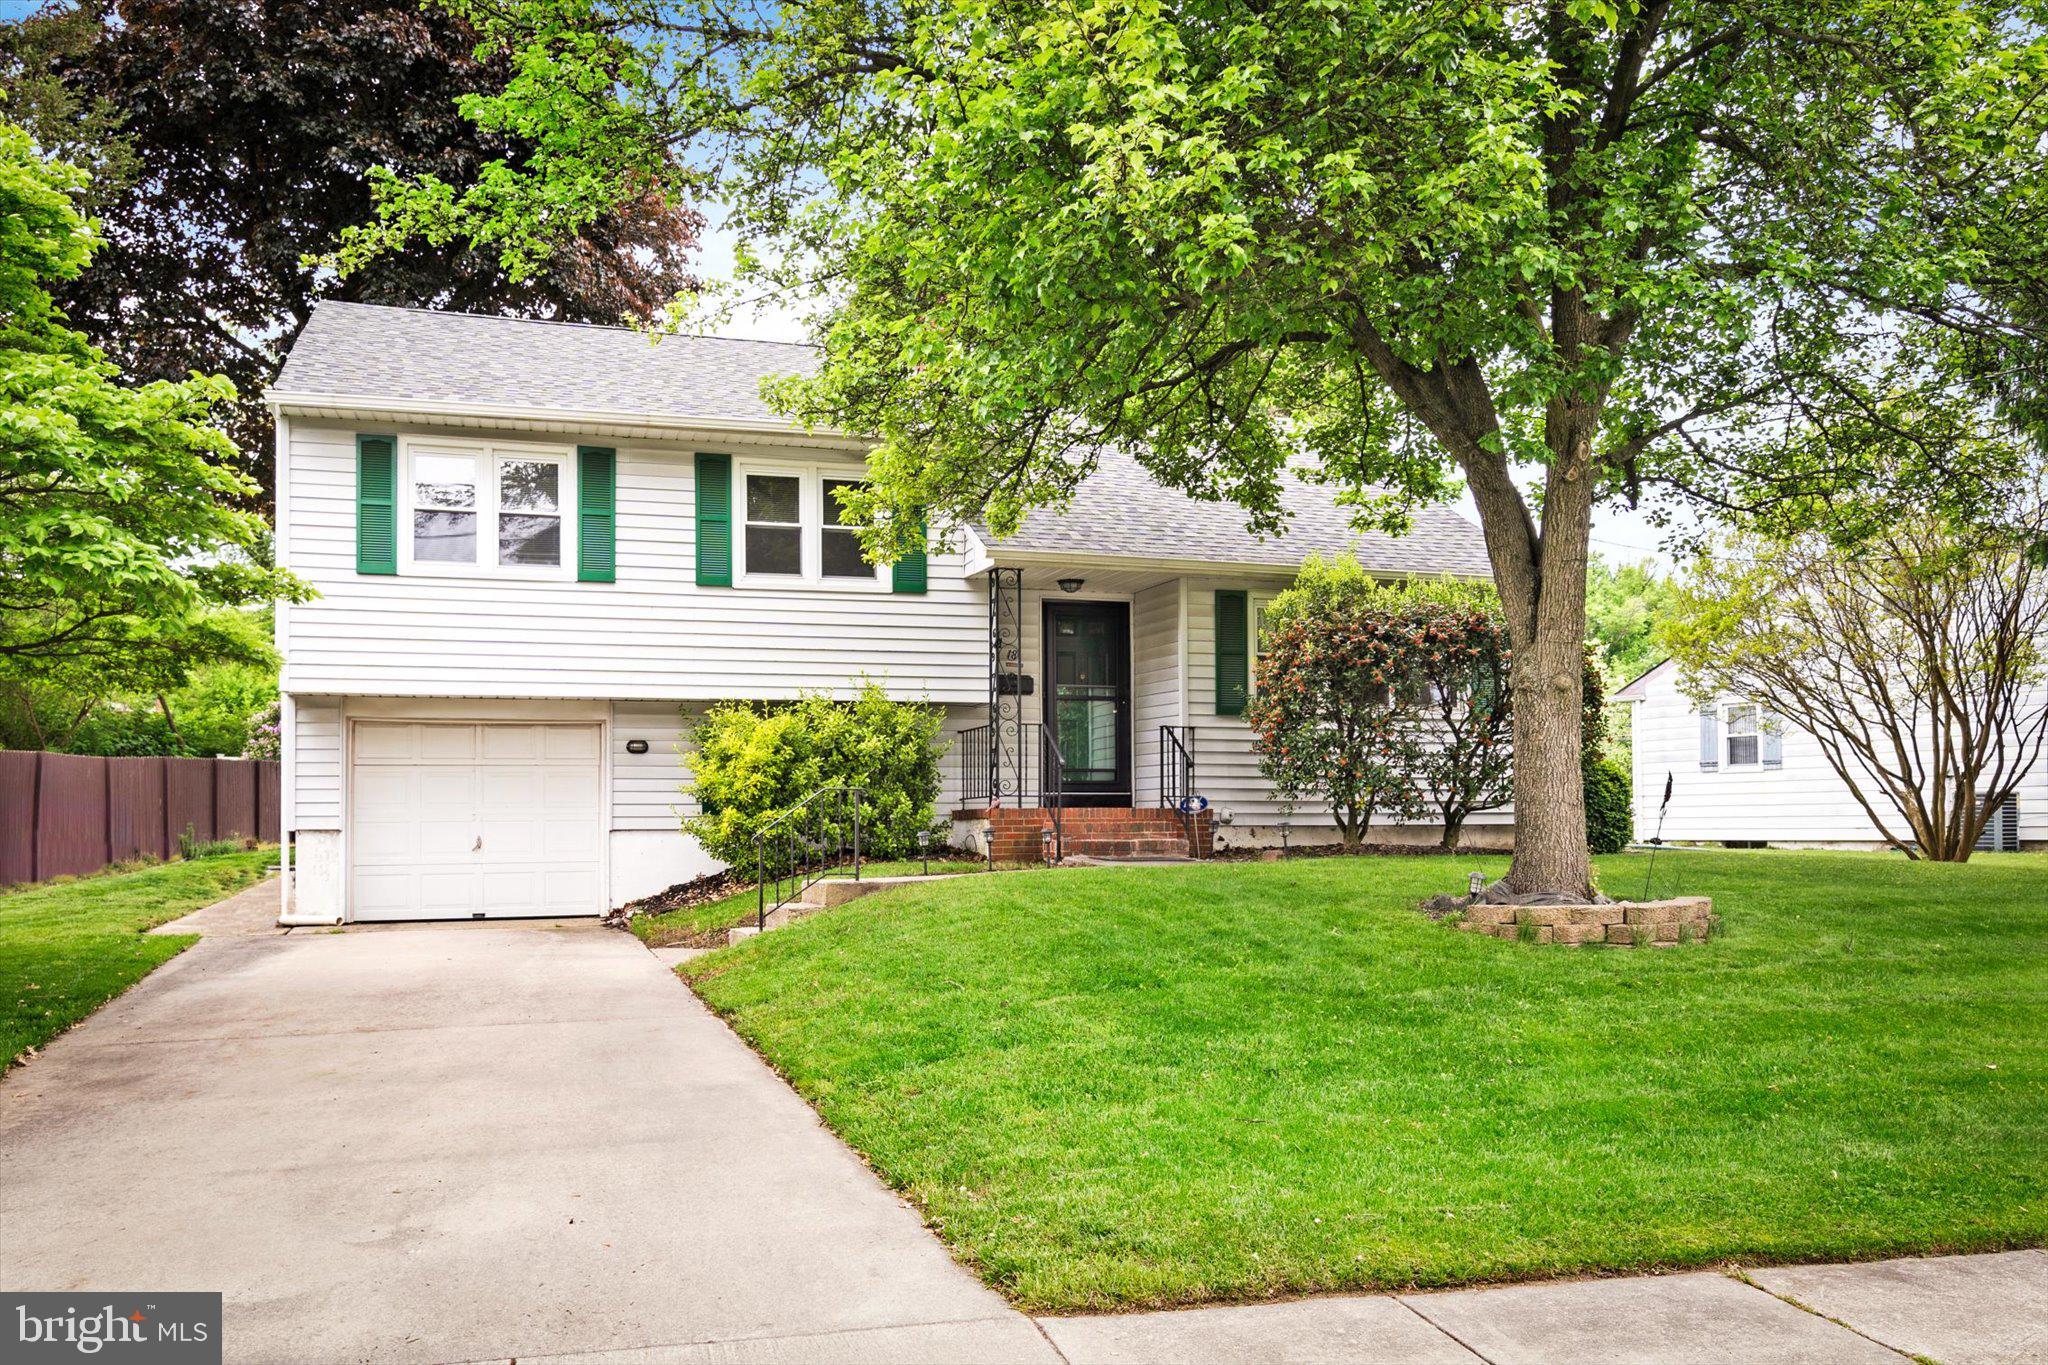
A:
(1088, 698)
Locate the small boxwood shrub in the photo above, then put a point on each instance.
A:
(753, 761)
(1610, 819)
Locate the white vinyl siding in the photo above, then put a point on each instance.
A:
(653, 634)
(1155, 681)
(648, 790)
(316, 763)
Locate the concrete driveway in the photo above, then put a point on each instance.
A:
(458, 1142)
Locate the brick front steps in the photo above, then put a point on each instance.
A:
(1624, 924)
(1095, 832)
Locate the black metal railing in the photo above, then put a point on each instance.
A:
(1052, 787)
(1177, 775)
(993, 776)
(798, 847)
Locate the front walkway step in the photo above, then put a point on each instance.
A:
(830, 894)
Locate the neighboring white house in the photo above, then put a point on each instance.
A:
(1739, 776)
(541, 548)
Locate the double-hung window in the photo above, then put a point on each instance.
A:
(488, 507)
(775, 529)
(1745, 735)
(795, 529)
(839, 550)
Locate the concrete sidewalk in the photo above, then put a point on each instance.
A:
(1959, 1310)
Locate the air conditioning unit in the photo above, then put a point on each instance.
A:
(2002, 831)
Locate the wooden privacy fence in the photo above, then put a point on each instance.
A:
(75, 813)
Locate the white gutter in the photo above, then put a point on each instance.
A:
(280, 399)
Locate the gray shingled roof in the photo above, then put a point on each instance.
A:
(1119, 510)
(359, 351)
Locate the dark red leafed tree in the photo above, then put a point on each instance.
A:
(230, 138)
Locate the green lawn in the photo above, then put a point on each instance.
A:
(1119, 1087)
(69, 947)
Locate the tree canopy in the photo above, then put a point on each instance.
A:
(230, 139)
(1598, 246)
(123, 561)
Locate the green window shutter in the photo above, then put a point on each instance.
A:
(911, 573)
(714, 521)
(597, 481)
(376, 504)
(1232, 646)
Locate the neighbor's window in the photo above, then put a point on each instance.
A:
(444, 509)
(775, 532)
(1743, 735)
(839, 552)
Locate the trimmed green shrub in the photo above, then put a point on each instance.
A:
(754, 761)
(1610, 818)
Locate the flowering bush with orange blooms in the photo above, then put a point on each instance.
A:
(1334, 715)
(1389, 700)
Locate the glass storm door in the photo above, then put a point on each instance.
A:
(1088, 699)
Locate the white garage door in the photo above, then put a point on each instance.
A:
(457, 821)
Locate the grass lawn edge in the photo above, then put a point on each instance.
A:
(1862, 1246)
(70, 947)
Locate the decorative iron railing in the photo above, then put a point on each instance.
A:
(1042, 785)
(1052, 787)
(1177, 775)
(799, 847)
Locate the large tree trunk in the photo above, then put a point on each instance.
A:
(1541, 578)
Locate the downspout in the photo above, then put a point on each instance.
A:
(287, 707)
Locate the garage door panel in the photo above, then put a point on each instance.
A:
(375, 742)
(567, 888)
(455, 820)
(561, 843)
(564, 744)
(441, 742)
(566, 789)
(440, 787)
(511, 742)
(511, 789)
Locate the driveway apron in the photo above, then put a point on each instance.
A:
(452, 1142)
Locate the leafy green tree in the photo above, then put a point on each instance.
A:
(123, 558)
(1593, 244)
(1624, 603)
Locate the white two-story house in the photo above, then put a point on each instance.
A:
(541, 548)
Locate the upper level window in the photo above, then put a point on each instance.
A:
(1744, 735)
(775, 532)
(839, 551)
(444, 509)
(795, 530)
(529, 512)
(486, 506)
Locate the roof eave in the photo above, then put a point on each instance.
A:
(1006, 556)
(280, 400)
